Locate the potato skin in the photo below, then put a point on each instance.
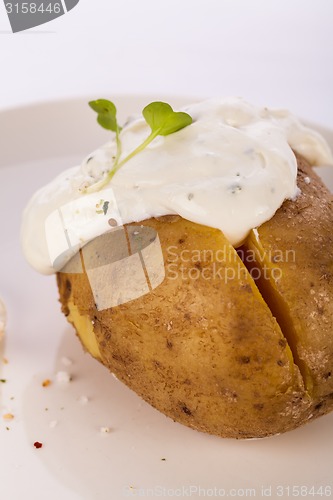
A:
(206, 352)
(305, 289)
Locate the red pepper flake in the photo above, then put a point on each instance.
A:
(46, 383)
(38, 445)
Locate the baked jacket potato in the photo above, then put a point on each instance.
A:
(210, 346)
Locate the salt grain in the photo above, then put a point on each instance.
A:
(105, 430)
(63, 377)
(169, 326)
(66, 361)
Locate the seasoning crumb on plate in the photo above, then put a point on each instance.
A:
(8, 416)
(38, 445)
(46, 382)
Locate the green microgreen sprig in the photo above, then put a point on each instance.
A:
(160, 117)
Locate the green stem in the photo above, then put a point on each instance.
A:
(118, 142)
(137, 150)
(116, 166)
(101, 184)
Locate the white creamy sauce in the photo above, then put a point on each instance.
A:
(231, 169)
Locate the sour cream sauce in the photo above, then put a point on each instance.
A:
(231, 169)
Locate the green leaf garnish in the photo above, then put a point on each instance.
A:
(163, 120)
(160, 117)
(106, 114)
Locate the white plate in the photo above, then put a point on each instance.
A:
(78, 461)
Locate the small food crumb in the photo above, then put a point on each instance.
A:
(5, 361)
(46, 383)
(7, 428)
(53, 424)
(66, 361)
(307, 180)
(63, 377)
(8, 416)
(38, 445)
(163, 459)
(83, 400)
(105, 430)
(112, 222)
(3, 380)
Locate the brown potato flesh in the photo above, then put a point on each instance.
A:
(203, 347)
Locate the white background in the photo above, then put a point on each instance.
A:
(272, 52)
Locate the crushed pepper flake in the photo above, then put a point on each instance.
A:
(8, 416)
(38, 445)
(46, 382)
